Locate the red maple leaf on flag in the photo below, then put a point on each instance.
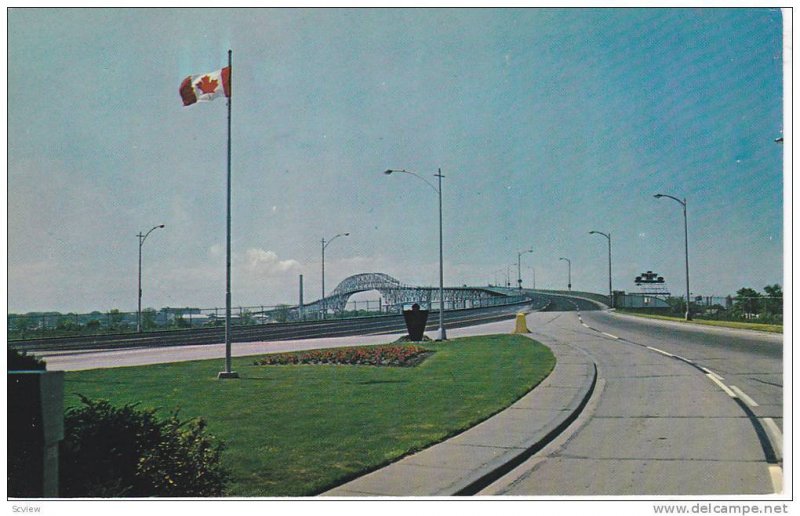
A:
(207, 84)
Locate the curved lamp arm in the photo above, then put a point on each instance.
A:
(392, 171)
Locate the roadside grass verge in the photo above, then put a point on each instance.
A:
(771, 328)
(298, 430)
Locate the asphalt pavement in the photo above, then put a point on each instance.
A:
(665, 419)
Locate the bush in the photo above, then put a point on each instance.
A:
(21, 361)
(110, 452)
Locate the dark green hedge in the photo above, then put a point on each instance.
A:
(21, 361)
(111, 452)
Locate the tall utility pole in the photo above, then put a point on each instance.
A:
(141, 242)
(686, 248)
(519, 267)
(610, 291)
(324, 245)
(442, 333)
(569, 273)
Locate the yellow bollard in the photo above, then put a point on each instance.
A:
(521, 324)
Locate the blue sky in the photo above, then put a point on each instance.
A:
(547, 123)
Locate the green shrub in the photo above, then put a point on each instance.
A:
(111, 452)
(21, 361)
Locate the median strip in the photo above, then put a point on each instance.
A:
(744, 397)
(721, 386)
(661, 351)
(776, 475)
(712, 373)
(775, 432)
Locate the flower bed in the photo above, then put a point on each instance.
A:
(391, 355)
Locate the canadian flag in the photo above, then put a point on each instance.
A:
(206, 87)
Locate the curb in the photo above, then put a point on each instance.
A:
(544, 437)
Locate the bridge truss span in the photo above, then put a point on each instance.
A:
(395, 295)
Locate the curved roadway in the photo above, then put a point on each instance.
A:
(678, 410)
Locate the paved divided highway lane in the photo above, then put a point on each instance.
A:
(749, 362)
(659, 424)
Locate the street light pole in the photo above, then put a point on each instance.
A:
(141, 242)
(686, 247)
(324, 245)
(610, 291)
(569, 273)
(442, 332)
(519, 267)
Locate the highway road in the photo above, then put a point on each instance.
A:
(677, 410)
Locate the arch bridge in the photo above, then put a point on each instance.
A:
(396, 294)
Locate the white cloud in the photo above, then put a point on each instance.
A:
(267, 263)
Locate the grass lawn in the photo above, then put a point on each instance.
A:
(298, 430)
(771, 328)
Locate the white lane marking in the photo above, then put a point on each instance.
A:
(776, 475)
(722, 386)
(585, 325)
(777, 435)
(684, 359)
(661, 351)
(712, 373)
(609, 335)
(744, 397)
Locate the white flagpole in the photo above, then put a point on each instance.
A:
(228, 373)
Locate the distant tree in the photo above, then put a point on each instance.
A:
(67, 323)
(115, 318)
(148, 318)
(22, 324)
(774, 303)
(747, 301)
(677, 305)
